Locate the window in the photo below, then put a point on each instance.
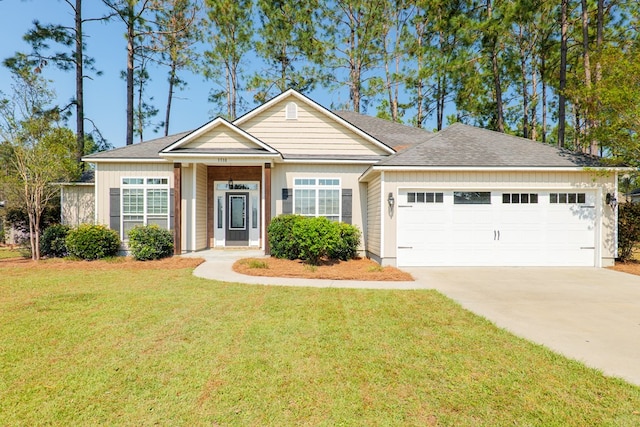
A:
(145, 201)
(317, 197)
(567, 198)
(523, 198)
(292, 111)
(471, 197)
(419, 197)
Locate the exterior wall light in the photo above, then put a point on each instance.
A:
(391, 200)
(230, 183)
(611, 200)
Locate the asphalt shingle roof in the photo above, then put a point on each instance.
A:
(395, 135)
(143, 150)
(461, 145)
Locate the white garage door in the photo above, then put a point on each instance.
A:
(496, 228)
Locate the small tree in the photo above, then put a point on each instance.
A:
(37, 150)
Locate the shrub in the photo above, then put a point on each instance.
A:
(315, 237)
(150, 242)
(53, 241)
(628, 229)
(92, 242)
(347, 244)
(281, 240)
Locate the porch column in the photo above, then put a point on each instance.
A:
(177, 203)
(267, 206)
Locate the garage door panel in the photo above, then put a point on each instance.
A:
(531, 233)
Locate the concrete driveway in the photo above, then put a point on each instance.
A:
(588, 314)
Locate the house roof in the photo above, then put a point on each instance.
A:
(395, 135)
(467, 146)
(148, 150)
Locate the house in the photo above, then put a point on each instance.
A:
(460, 197)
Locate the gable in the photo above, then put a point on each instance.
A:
(217, 138)
(294, 125)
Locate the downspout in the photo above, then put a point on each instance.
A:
(615, 218)
(382, 217)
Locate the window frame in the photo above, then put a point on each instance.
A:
(149, 186)
(313, 184)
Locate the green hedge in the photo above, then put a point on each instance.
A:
(53, 241)
(150, 242)
(628, 229)
(311, 239)
(92, 242)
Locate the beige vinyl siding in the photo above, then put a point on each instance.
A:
(373, 216)
(109, 175)
(201, 207)
(284, 174)
(311, 133)
(220, 137)
(510, 180)
(77, 202)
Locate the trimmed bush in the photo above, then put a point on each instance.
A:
(150, 242)
(281, 240)
(316, 238)
(53, 241)
(348, 242)
(628, 229)
(92, 242)
(311, 239)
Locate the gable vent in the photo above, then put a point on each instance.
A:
(292, 111)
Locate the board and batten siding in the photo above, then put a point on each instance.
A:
(201, 207)
(109, 175)
(508, 180)
(312, 132)
(282, 176)
(77, 204)
(220, 137)
(373, 217)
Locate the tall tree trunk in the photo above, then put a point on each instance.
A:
(440, 97)
(172, 78)
(534, 103)
(543, 79)
(79, 85)
(130, 60)
(562, 101)
(588, 143)
(495, 69)
(525, 90)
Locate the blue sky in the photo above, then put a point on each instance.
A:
(105, 100)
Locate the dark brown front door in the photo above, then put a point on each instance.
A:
(237, 232)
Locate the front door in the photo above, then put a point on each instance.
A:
(237, 230)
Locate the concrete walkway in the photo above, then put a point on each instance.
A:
(588, 314)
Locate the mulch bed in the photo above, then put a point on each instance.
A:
(355, 269)
(118, 263)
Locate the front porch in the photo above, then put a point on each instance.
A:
(221, 206)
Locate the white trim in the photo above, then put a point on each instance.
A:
(124, 160)
(96, 200)
(194, 193)
(316, 187)
(292, 93)
(382, 216)
(218, 121)
(263, 219)
(196, 157)
(329, 161)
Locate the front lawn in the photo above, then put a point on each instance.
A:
(115, 344)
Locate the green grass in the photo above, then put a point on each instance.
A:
(143, 347)
(6, 253)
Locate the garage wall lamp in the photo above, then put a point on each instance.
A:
(391, 200)
(611, 200)
(230, 183)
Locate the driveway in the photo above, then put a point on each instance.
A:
(588, 314)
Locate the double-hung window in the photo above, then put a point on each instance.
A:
(145, 201)
(317, 197)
